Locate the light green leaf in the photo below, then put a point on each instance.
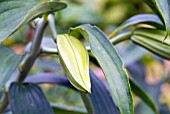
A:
(75, 61)
(15, 13)
(111, 64)
(9, 62)
(154, 34)
(151, 39)
(140, 93)
(162, 8)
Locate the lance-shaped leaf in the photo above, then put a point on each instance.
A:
(9, 62)
(15, 13)
(152, 40)
(141, 94)
(111, 65)
(32, 97)
(162, 9)
(75, 61)
(154, 34)
(137, 19)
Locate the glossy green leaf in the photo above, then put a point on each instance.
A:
(137, 19)
(151, 39)
(9, 62)
(111, 64)
(15, 13)
(162, 8)
(141, 94)
(28, 99)
(75, 61)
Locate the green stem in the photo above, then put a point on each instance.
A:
(120, 38)
(51, 20)
(46, 50)
(35, 50)
(114, 33)
(29, 59)
(87, 103)
(4, 103)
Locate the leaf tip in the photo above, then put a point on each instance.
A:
(88, 90)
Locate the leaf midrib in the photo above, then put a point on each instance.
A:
(67, 37)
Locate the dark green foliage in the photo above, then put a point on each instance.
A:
(33, 99)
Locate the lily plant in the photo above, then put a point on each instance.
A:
(23, 93)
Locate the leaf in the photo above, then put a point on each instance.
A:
(152, 40)
(59, 109)
(75, 61)
(9, 62)
(140, 93)
(32, 97)
(15, 13)
(99, 95)
(154, 34)
(162, 9)
(49, 78)
(111, 65)
(137, 19)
